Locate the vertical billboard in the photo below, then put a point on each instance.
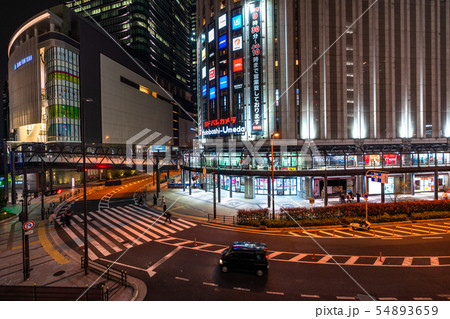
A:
(255, 67)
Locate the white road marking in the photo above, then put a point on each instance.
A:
(432, 237)
(345, 298)
(330, 234)
(210, 284)
(309, 296)
(275, 293)
(120, 264)
(391, 238)
(145, 230)
(294, 234)
(274, 254)
(107, 215)
(241, 289)
(351, 260)
(407, 261)
(203, 246)
(92, 241)
(118, 229)
(324, 259)
(99, 235)
(434, 261)
(422, 298)
(151, 271)
(387, 298)
(298, 257)
(181, 278)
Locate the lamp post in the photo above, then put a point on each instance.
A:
(83, 150)
(276, 134)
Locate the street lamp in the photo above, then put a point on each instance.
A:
(276, 135)
(83, 150)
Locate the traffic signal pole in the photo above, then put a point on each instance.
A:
(42, 190)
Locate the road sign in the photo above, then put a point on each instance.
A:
(29, 232)
(311, 200)
(29, 225)
(366, 197)
(379, 177)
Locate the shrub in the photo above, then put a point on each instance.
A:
(430, 215)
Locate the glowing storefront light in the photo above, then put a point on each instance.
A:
(223, 82)
(236, 22)
(237, 43)
(23, 61)
(211, 35)
(222, 21)
(222, 41)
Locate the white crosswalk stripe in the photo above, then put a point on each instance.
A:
(113, 230)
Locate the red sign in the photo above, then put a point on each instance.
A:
(225, 121)
(237, 65)
(29, 225)
(212, 74)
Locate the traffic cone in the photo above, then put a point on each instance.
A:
(314, 256)
(393, 232)
(380, 257)
(195, 241)
(411, 231)
(315, 233)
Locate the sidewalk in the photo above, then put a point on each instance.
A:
(200, 203)
(52, 262)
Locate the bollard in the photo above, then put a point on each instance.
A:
(195, 242)
(314, 256)
(300, 231)
(380, 257)
(333, 233)
(411, 231)
(393, 232)
(315, 233)
(353, 233)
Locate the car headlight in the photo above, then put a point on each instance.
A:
(220, 261)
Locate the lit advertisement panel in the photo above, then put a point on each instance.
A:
(223, 82)
(23, 61)
(212, 93)
(211, 35)
(237, 65)
(223, 42)
(256, 92)
(237, 43)
(222, 21)
(204, 90)
(236, 22)
(204, 72)
(203, 54)
(212, 74)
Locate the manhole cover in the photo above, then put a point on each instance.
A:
(58, 273)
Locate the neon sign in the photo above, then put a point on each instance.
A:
(237, 43)
(222, 21)
(236, 22)
(212, 93)
(223, 82)
(256, 93)
(212, 74)
(23, 61)
(223, 42)
(204, 90)
(237, 65)
(211, 35)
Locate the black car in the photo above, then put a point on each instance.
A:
(245, 256)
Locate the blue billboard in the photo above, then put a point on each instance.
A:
(223, 42)
(236, 22)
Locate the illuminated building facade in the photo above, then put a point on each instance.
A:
(56, 59)
(363, 81)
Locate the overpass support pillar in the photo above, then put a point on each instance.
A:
(412, 184)
(158, 176)
(309, 192)
(249, 189)
(182, 179)
(230, 186)
(218, 188)
(269, 191)
(325, 190)
(436, 184)
(382, 193)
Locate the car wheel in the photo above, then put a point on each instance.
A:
(259, 272)
(224, 269)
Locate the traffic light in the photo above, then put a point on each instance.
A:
(59, 191)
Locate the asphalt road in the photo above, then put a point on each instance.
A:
(184, 265)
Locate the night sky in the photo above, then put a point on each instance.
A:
(12, 15)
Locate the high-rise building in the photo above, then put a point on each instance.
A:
(350, 85)
(159, 34)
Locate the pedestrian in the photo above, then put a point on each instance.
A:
(164, 207)
(68, 217)
(62, 219)
(168, 215)
(342, 197)
(140, 201)
(358, 197)
(51, 218)
(155, 200)
(163, 200)
(445, 195)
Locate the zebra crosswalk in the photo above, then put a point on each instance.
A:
(114, 230)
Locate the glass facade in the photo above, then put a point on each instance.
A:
(63, 94)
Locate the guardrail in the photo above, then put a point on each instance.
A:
(222, 219)
(48, 293)
(120, 276)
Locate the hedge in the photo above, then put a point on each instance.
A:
(345, 214)
(6, 215)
